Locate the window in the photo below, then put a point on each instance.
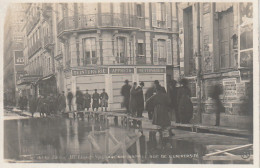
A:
(160, 12)
(140, 47)
(162, 51)
(121, 50)
(90, 54)
(139, 10)
(225, 21)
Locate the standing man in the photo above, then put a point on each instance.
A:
(62, 102)
(140, 99)
(159, 87)
(32, 104)
(69, 98)
(87, 100)
(79, 99)
(125, 92)
(95, 98)
(133, 101)
(104, 100)
(149, 105)
(172, 93)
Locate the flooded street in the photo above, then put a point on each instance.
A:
(65, 140)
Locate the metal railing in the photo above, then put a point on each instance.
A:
(37, 45)
(47, 40)
(100, 20)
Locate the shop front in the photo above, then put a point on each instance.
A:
(112, 78)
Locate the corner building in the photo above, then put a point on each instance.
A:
(103, 44)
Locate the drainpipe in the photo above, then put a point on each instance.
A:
(199, 64)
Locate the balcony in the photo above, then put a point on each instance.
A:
(100, 20)
(34, 48)
(140, 60)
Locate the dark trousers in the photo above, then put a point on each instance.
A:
(150, 114)
(139, 112)
(217, 118)
(70, 104)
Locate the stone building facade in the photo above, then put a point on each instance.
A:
(225, 56)
(13, 51)
(103, 44)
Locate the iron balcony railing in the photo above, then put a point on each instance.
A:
(100, 20)
(32, 22)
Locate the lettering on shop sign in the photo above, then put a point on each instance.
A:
(121, 70)
(150, 70)
(89, 71)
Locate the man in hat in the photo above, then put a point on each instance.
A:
(69, 98)
(158, 86)
(125, 92)
(95, 98)
(140, 99)
(87, 100)
(104, 100)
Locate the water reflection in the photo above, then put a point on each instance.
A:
(69, 140)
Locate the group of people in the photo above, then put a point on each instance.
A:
(83, 101)
(161, 106)
(23, 102)
(48, 104)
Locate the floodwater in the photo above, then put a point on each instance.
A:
(63, 140)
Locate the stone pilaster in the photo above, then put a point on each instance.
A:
(148, 47)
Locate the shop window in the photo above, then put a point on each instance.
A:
(139, 10)
(90, 56)
(189, 61)
(225, 21)
(121, 50)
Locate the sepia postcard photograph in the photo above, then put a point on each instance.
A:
(130, 82)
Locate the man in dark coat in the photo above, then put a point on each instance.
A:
(62, 102)
(32, 104)
(149, 106)
(133, 101)
(69, 98)
(173, 97)
(158, 86)
(87, 98)
(25, 102)
(125, 92)
(140, 99)
(95, 98)
(79, 99)
(20, 103)
(104, 100)
(216, 90)
(161, 103)
(41, 106)
(185, 106)
(51, 103)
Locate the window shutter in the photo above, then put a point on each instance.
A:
(154, 19)
(169, 52)
(155, 52)
(168, 15)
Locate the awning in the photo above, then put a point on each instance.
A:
(46, 78)
(220, 7)
(28, 79)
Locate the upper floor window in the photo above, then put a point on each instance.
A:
(90, 53)
(162, 52)
(121, 50)
(139, 10)
(226, 20)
